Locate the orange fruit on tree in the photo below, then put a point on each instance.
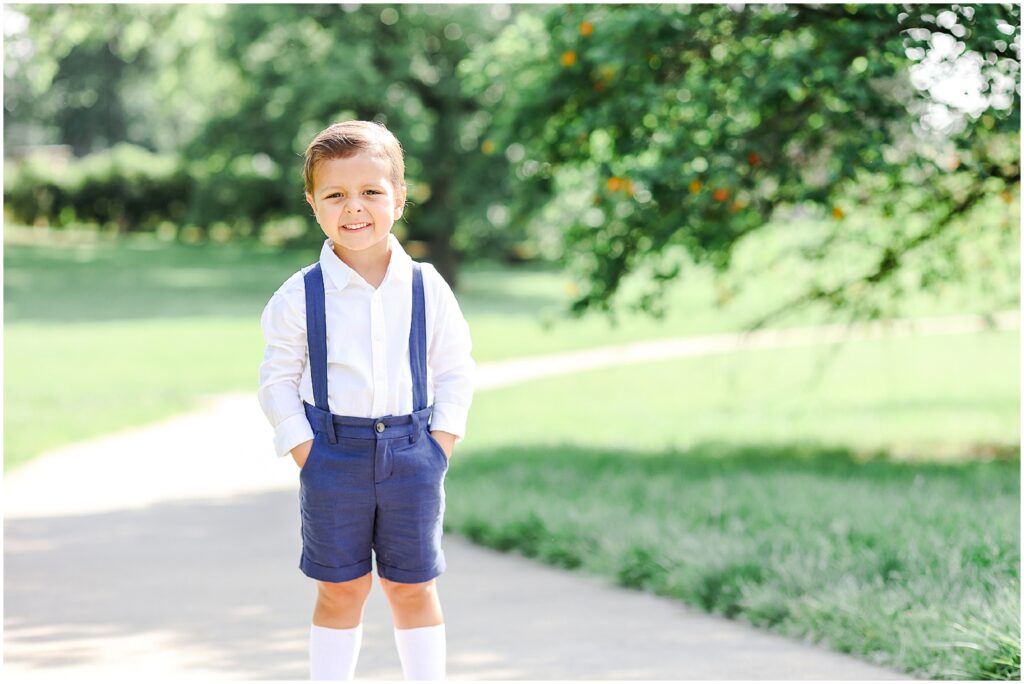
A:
(695, 186)
(721, 194)
(586, 28)
(568, 58)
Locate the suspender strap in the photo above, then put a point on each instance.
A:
(418, 341)
(316, 339)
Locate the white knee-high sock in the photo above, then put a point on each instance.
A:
(333, 652)
(422, 651)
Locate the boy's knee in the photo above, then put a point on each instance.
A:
(335, 592)
(406, 590)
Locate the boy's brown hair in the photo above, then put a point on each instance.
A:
(347, 138)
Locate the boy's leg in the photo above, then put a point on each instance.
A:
(340, 604)
(336, 634)
(419, 628)
(413, 604)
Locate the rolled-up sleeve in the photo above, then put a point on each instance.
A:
(284, 359)
(449, 356)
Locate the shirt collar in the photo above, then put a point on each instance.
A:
(340, 273)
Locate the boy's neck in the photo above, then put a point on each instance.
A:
(371, 264)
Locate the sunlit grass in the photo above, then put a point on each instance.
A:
(839, 499)
(914, 566)
(931, 395)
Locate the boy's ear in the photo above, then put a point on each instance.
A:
(309, 200)
(400, 205)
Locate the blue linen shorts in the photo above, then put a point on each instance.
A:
(380, 486)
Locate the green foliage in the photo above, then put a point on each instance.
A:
(613, 137)
(130, 189)
(303, 67)
(689, 126)
(92, 75)
(243, 190)
(125, 186)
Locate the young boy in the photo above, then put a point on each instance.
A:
(367, 379)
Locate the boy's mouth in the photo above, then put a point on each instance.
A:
(355, 227)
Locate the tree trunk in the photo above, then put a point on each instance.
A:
(444, 258)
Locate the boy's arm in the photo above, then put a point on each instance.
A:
(452, 366)
(284, 358)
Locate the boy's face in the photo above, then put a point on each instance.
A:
(354, 191)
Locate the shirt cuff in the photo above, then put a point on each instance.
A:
(291, 432)
(450, 418)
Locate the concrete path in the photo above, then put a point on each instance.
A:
(172, 551)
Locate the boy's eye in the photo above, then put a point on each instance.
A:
(335, 194)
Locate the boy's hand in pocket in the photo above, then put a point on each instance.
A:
(301, 452)
(446, 440)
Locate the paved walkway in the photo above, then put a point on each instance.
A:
(164, 552)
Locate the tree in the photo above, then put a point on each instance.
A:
(689, 126)
(92, 76)
(303, 67)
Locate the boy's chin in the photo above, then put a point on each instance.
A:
(358, 242)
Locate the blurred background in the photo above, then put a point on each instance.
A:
(584, 175)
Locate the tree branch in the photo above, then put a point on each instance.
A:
(887, 265)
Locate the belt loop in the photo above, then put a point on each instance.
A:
(327, 426)
(415, 428)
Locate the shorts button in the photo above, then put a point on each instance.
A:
(379, 427)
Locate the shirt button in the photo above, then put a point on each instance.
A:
(379, 427)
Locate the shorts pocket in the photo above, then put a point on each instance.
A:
(313, 450)
(424, 449)
(437, 447)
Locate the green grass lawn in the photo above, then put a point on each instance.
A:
(929, 397)
(820, 493)
(885, 561)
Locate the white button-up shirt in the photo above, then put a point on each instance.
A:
(368, 373)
